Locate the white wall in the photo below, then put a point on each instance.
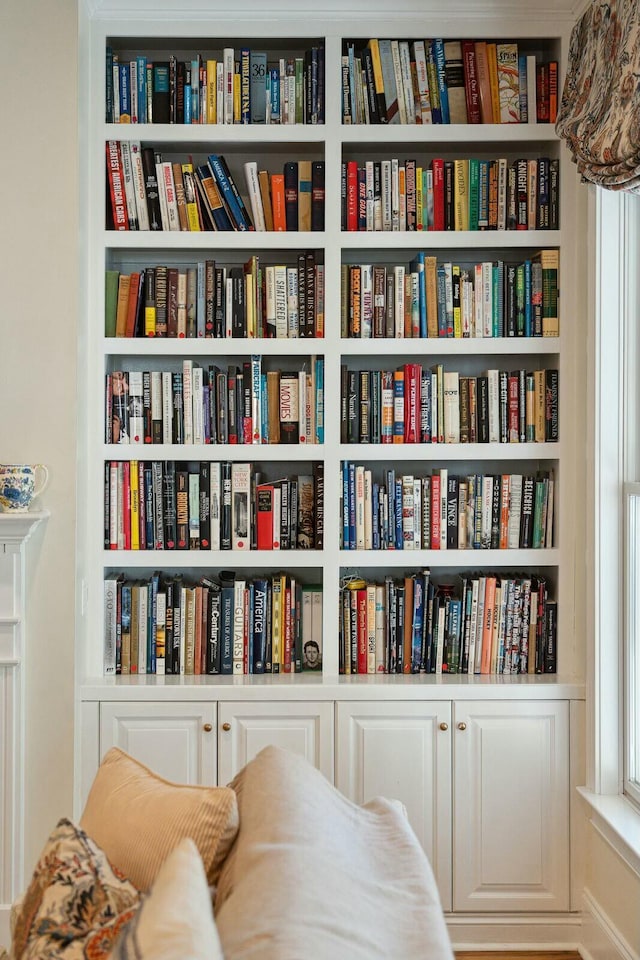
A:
(38, 321)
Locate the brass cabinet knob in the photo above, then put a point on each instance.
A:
(444, 726)
(226, 726)
(208, 727)
(462, 725)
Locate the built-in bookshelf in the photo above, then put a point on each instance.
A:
(407, 312)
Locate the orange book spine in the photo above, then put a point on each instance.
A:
(487, 626)
(492, 61)
(277, 202)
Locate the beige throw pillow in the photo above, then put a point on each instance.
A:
(138, 818)
(175, 921)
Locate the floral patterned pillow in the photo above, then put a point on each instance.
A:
(76, 904)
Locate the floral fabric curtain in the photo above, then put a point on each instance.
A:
(599, 114)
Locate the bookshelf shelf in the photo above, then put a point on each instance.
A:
(359, 134)
(489, 559)
(454, 239)
(215, 560)
(165, 347)
(218, 451)
(211, 240)
(458, 347)
(256, 135)
(467, 452)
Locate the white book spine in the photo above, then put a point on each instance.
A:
(162, 196)
(255, 197)
(293, 314)
(478, 301)
(167, 407)
(129, 185)
(407, 82)
(487, 300)
(198, 406)
(423, 80)
(493, 378)
(240, 505)
(156, 396)
(397, 69)
(110, 625)
(398, 274)
(280, 291)
(187, 400)
(143, 611)
(220, 89)
(139, 187)
(366, 295)
(136, 411)
(170, 192)
(515, 509)
(451, 407)
(238, 627)
(395, 192)
(417, 514)
(215, 494)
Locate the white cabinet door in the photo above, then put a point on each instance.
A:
(244, 729)
(511, 805)
(402, 751)
(176, 740)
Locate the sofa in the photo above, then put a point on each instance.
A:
(293, 870)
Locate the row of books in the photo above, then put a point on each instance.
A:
(197, 405)
(446, 81)
(491, 624)
(444, 511)
(414, 404)
(236, 86)
(459, 194)
(169, 505)
(147, 192)
(212, 300)
(427, 298)
(222, 624)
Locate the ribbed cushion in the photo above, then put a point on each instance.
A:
(138, 818)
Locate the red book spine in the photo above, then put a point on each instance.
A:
(435, 511)
(514, 409)
(352, 195)
(264, 517)
(471, 87)
(362, 631)
(116, 186)
(126, 504)
(411, 402)
(437, 166)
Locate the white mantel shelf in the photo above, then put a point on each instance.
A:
(16, 528)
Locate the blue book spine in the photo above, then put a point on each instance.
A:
(274, 75)
(398, 515)
(495, 299)
(152, 621)
(141, 80)
(346, 545)
(522, 88)
(108, 113)
(441, 300)
(352, 80)
(418, 620)
(224, 185)
(391, 505)
(259, 624)
(125, 93)
(264, 419)
(188, 103)
(425, 406)
(352, 506)
(417, 266)
(528, 310)
(319, 400)
(398, 408)
(438, 55)
(226, 629)
(245, 85)
(375, 509)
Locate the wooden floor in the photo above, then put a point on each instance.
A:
(519, 955)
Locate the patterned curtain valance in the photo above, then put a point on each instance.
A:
(599, 113)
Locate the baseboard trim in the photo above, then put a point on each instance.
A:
(508, 931)
(601, 939)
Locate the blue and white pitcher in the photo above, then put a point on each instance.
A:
(19, 484)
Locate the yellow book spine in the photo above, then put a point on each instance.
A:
(193, 220)
(493, 81)
(134, 491)
(150, 321)
(378, 82)
(250, 302)
(457, 311)
(212, 81)
(419, 200)
(236, 98)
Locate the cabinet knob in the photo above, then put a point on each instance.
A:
(462, 725)
(226, 726)
(444, 726)
(207, 727)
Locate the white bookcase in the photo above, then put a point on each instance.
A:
(388, 733)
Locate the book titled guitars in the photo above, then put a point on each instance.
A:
(225, 623)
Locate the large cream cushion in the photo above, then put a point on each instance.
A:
(313, 875)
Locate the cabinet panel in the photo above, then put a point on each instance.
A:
(399, 750)
(170, 738)
(511, 806)
(305, 728)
